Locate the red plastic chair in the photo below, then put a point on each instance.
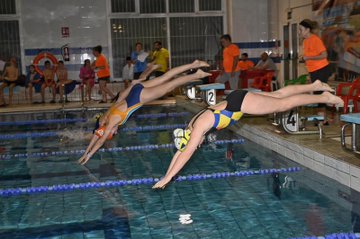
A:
(356, 99)
(263, 82)
(347, 92)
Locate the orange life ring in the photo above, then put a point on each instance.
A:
(41, 56)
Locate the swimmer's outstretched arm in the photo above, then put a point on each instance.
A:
(181, 158)
(96, 143)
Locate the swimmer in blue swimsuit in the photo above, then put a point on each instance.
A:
(228, 112)
(138, 94)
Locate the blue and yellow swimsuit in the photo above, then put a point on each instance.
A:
(232, 112)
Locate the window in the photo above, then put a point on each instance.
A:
(210, 5)
(152, 6)
(194, 38)
(7, 7)
(187, 37)
(10, 40)
(181, 6)
(126, 32)
(123, 5)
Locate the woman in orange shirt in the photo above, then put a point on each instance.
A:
(102, 69)
(315, 56)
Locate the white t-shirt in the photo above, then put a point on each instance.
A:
(128, 72)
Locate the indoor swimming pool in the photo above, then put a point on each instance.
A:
(273, 205)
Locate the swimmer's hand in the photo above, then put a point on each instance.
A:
(84, 159)
(162, 183)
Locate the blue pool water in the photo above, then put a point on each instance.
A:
(243, 207)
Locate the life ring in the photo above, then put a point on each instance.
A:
(41, 56)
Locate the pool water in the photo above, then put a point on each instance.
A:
(263, 206)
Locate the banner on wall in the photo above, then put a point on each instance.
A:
(340, 20)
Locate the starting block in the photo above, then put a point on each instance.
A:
(354, 121)
(208, 92)
(191, 90)
(292, 123)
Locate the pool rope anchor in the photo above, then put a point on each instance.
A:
(114, 149)
(135, 182)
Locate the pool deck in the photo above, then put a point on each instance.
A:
(325, 156)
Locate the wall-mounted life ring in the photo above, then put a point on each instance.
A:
(41, 56)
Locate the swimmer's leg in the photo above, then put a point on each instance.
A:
(158, 81)
(153, 93)
(298, 89)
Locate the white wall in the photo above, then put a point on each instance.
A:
(42, 21)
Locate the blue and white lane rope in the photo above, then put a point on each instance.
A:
(44, 122)
(341, 235)
(76, 120)
(56, 133)
(115, 149)
(141, 181)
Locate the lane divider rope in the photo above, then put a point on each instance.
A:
(141, 181)
(56, 133)
(115, 149)
(341, 235)
(76, 120)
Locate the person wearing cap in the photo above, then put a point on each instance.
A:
(230, 111)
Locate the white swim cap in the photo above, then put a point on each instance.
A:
(181, 138)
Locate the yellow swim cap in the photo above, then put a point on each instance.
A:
(181, 138)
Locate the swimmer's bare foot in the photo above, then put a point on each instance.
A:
(333, 99)
(320, 86)
(198, 64)
(201, 74)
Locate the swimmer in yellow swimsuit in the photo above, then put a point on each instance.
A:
(135, 96)
(228, 112)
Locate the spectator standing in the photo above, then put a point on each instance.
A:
(128, 72)
(139, 59)
(101, 65)
(230, 70)
(315, 57)
(160, 56)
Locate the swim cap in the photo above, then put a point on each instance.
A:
(181, 138)
(100, 133)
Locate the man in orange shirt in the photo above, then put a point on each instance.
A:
(244, 63)
(101, 65)
(315, 56)
(230, 70)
